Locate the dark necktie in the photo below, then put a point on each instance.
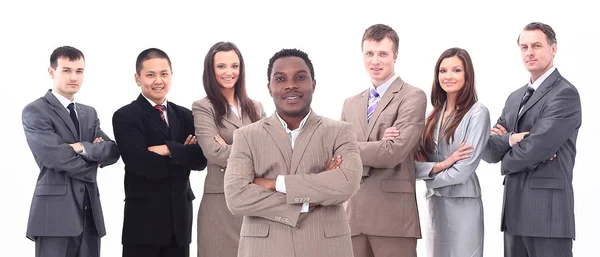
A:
(526, 97)
(73, 115)
(373, 100)
(161, 109)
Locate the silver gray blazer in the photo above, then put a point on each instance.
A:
(459, 180)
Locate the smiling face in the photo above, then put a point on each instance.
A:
(379, 59)
(291, 87)
(451, 75)
(155, 79)
(67, 77)
(227, 68)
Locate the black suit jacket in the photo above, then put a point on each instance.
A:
(158, 197)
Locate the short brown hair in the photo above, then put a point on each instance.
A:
(378, 32)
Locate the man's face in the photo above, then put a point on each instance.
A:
(67, 77)
(379, 59)
(291, 87)
(536, 53)
(155, 79)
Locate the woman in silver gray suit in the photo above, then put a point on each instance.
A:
(456, 133)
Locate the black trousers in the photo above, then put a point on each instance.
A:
(171, 250)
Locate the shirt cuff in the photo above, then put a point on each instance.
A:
(509, 134)
(83, 152)
(280, 184)
(304, 207)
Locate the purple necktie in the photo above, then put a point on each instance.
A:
(373, 100)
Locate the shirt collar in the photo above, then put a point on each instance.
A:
(63, 100)
(383, 87)
(155, 104)
(541, 79)
(285, 126)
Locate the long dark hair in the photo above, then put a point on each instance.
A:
(213, 89)
(467, 96)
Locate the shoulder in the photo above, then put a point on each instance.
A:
(479, 109)
(204, 102)
(411, 91)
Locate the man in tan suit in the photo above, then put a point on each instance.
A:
(290, 173)
(383, 214)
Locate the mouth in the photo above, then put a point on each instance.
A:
(158, 89)
(377, 69)
(292, 97)
(228, 79)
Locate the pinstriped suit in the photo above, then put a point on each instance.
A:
(386, 205)
(538, 193)
(273, 225)
(218, 229)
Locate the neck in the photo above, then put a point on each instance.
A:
(377, 83)
(537, 75)
(292, 122)
(451, 102)
(68, 96)
(229, 94)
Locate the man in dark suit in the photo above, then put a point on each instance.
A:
(68, 145)
(535, 140)
(158, 148)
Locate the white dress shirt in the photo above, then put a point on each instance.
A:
(163, 104)
(65, 102)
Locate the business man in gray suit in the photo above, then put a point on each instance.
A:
(535, 140)
(68, 145)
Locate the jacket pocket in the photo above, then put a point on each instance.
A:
(338, 228)
(51, 190)
(546, 183)
(254, 230)
(397, 186)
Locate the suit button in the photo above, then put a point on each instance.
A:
(297, 199)
(307, 199)
(286, 220)
(87, 178)
(223, 170)
(82, 190)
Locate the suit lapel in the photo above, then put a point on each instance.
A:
(153, 116)
(385, 100)
(540, 92)
(174, 122)
(233, 119)
(82, 116)
(62, 112)
(274, 128)
(306, 133)
(362, 113)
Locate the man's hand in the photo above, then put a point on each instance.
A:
(268, 183)
(190, 140)
(334, 163)
(162, 150)
(390, 133)
(77, 147)
(517, 137)
(220, 140)
(98, 140)
(498, 130)
(420, 156)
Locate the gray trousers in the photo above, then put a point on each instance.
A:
(526, 246)
(85, 245)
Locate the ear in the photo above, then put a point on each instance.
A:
(137, 79)
(395, 57)
(51, 72)
(553, 49)
(269, 87)
(314, 85)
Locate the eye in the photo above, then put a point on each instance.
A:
(383, 54)
(457, 70)
(279, 79)
(369, 54)
(66, 71)
(149, 75)
(301, 77)
(221, 66)
(523, 47)
(442, 71)
(235, 66)
(165, 74)
(79, 72)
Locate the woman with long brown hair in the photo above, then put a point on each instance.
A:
(456, 134)
(225, 108)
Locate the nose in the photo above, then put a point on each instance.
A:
(291, 85)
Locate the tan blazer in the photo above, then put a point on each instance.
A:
(386, 204)
(215, 153)
(273, 224)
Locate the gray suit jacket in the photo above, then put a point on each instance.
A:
(538, 193)
(386, 204)
(273, 225)
(460, 180)
(57, 205)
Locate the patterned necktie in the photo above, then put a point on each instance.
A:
(373, 100)
(161, 109)
(73, 115)
(526, 97)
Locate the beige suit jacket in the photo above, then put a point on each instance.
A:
(273, 225)
(217, 154)
(386, 203)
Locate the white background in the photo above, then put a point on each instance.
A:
(112, 34)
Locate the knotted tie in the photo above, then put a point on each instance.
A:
(526, 97)
(73, 115)
(161, 109)
(373, 100)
